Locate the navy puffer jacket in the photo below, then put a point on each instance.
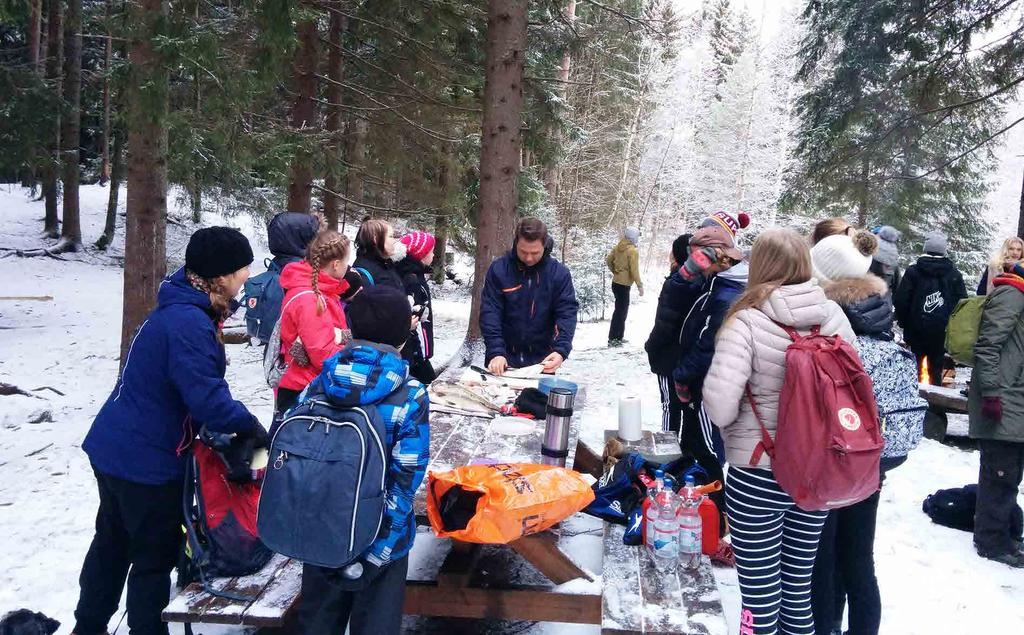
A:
(674, 303)
(526, 313)
(172, 385)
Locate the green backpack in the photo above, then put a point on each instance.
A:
(962, 331)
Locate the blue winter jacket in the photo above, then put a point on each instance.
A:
(701, 325)
(172, 385)
(369, 374)
(527, 313)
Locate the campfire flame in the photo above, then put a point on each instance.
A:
(926, 377)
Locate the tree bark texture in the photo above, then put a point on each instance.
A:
(552, 172)
(304, 117)
(145, 262)
(54, 50)
(105, 142)
(335, 144)
(35, 26)
(501, 140)
(71, 229)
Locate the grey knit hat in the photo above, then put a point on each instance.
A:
(935, 243)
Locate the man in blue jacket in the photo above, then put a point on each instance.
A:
(528, 306)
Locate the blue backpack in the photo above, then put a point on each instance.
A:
(262, 300)
(323, 492)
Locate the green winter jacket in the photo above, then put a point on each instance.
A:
(999, 366)
(624, 262)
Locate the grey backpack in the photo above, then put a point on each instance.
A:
(323, 493)
(274, 366)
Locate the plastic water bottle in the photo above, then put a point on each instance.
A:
(650, 508)
(689, 525)
(666, 528)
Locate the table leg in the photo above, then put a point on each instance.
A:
(460, 564)
(541, 550)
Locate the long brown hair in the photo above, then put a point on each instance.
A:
(778, 257)
(829, 227)
(326, 246)
(220, 300)
(371, 237)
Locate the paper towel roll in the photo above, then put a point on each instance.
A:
(629, 418)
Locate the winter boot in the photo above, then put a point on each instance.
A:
(1014, 559)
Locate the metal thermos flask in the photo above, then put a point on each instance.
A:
(555, 447)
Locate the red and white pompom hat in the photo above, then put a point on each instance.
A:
(727, 221)
(418, 244)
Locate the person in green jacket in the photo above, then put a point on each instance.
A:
(624, 262)
(996, 404)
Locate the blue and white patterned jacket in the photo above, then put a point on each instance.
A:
(374, 375)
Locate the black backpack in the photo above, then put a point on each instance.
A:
(933, 304)
(953, 507)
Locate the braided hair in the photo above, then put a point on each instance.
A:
(326, 246)
(220, 300)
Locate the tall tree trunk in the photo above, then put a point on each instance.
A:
(71, 228)
(356, 159)
(105, 141)
(552, 172)
(116, 177)
(304, 114)
(145, 257)
(54, 50)
(35, 26)
(501, 140)
(335, 143)
(446, 178)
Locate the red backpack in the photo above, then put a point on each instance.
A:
(828, 441)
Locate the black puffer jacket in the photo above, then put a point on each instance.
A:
(871, 315)
(674, 303)
(421, 341)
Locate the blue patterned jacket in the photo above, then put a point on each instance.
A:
(375, 375)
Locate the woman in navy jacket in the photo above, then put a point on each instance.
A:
(172, 385)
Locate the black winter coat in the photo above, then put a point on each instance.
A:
(384, 272)
(421, 341)
(924, 315)
(674, 302)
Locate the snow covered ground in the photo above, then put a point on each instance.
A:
(931, 580)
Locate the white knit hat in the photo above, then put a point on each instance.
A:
(843, 256)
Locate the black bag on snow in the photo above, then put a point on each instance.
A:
(953, 507)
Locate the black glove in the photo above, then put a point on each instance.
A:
(355, 283)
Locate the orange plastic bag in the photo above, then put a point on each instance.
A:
(496, 504)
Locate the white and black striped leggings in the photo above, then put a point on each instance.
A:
(775, 542)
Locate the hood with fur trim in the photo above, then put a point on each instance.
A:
(865, 304)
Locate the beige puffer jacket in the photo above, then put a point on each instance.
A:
(752, 348)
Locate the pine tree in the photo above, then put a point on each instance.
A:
(71, 228)
(145, 259)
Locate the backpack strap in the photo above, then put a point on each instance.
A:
(288, 303)
(365, 274)
(766, 444)
(794, 334)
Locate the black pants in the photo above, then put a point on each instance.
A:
(371, 606)
(936, 354)
(671, 407)
(844, 567)
(697, 438)
(138, 537)
(998, 517)
(618, 328)
(422, 370)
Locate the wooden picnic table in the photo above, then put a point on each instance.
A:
(457, 440)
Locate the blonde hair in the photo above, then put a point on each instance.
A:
(220, 299)
(829, 227)
(371, 238)
(778, 257)
(1001, 256)
(326, 246)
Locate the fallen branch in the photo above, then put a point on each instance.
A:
(50, 388)
(48, 445)
(7, 390)
(32, 298)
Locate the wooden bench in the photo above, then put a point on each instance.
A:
(941, 402)
(274, 591)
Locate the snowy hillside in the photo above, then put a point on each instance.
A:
(931, 580)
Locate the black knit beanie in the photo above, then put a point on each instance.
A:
(217, 251)
(380, 314)
(681, 248)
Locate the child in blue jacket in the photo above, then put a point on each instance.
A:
(172, 385)
(370, 373)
